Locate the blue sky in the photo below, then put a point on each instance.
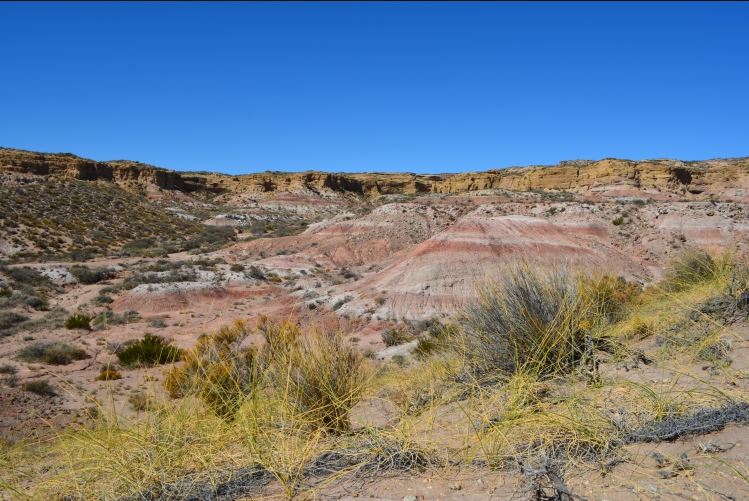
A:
(414, 87)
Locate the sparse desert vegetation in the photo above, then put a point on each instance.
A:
(53, 353)
(79, 220)
(148, 351)
(527, 375)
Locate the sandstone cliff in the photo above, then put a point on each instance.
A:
(722, 178)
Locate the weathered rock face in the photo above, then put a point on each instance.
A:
(723, 178)
(66, 165)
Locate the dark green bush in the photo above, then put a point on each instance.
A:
(78, 321)
(108, 374)
(10, 318)
(106, 318)
(53, 353)
(83, 254)
(34, 300)
(23, 295)
(439, 338)
(257, 273)
(88, 276)
(40, 387)
(210, 237)
(138, 246)
(8, 369)
(396, 336)
(28, 276)
(149, 351)
(425, 346)
(102, 299)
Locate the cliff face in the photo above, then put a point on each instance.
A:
(65, 165)
(725, 178)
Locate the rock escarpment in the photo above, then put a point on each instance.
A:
(721, 178)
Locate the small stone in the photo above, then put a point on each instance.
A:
(665, 474)
(456, 486)
(409, 498)
(660, 460)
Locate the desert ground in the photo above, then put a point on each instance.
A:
(651, 402)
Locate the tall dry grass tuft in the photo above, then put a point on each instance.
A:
(111, 458)
(280, 339)
(325, 379)
(320, 375)
(693, 266)
(219, 369)
(529, 320)
(609, 297)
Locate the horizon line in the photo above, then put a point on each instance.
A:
(390, 172)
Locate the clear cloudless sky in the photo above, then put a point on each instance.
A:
(420, 87)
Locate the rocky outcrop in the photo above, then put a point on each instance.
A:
(67, 165)
(722, 178)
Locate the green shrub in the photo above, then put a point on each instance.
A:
(396, 336)
(257, 273)
(210, 237)
(10, 318)
(399, 360)
(53, 353)
(40, 387)
(618, 221)
(8, 369)
(138, 246)
(88, 276)
(102, 300)
(108, 374)
(425, 346)
(33, 300)
(106, 318)
(149, 351)
(236, 267)
(78, 321)
(439, 338)
(28, 276)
